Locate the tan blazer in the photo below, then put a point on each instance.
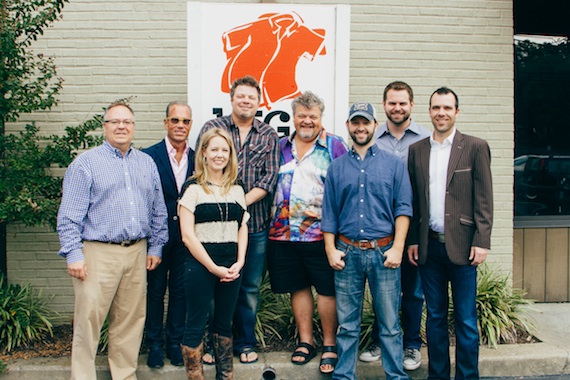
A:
(468, 201)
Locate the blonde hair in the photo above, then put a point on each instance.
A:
(229, 176)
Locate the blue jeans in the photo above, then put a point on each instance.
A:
(170, 273)
(437, 273)
(412, 305)
(360, 265)
(252, 272)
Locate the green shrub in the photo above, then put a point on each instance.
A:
(104, 336)
(24, 317)
(503, 312)
(274, 315)
(3, 367)
(275, 319)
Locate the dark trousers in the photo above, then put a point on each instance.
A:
(437, 273)
(201, 287)
(169, 274)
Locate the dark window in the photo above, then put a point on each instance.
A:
(542, 127)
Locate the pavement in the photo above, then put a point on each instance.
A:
(549, 357)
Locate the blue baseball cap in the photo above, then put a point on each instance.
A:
(366, 110)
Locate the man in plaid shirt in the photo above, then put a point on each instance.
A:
(257, 148)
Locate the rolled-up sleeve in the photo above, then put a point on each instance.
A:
(329, 222)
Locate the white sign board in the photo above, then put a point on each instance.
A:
(288, 48)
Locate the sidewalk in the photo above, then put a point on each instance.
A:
(550, 357)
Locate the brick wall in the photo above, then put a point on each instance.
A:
(107, 50)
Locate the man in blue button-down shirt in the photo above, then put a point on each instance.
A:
(366, 214)
(112, 224)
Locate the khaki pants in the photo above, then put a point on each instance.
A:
(115, 285)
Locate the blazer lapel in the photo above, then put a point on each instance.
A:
(424, 162)
(456, 151)
(165, 163)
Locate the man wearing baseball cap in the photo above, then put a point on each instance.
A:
(366, 214)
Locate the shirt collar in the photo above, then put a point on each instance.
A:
(373, 151)
(383, 129)
(448, 140)
(255, 124)
(116, 151)
(172, 150)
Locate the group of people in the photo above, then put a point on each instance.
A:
(407, 210)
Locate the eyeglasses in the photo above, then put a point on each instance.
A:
(175, 120)
(117, 122)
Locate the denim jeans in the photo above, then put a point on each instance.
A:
(384, 283)
(252, 272)
(170, 273)
(437, 273)
(412, 305)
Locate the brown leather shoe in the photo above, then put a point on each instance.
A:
(223, 348)
(193, 362)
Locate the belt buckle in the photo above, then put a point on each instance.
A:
(126, 243)
(366, 244)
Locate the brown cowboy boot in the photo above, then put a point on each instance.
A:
(193, 362)
(223, 348)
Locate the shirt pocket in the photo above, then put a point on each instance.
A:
(258, 154)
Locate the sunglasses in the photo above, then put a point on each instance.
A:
(175, 120)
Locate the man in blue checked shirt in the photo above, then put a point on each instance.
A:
(112, 224)
(366, 214)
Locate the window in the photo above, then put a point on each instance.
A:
(542, 126)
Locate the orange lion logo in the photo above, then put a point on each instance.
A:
(269, 49)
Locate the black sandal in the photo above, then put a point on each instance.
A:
(304, 355)
(331, 361)
(246, 351)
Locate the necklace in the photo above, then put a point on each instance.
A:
(223, 217)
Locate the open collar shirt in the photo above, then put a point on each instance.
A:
(438, 163)
(363, 197)
(258, 164)
(179, 169)
(399, 148)
(109, 197)
(300, 186)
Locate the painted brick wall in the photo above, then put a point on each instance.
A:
(107, 50)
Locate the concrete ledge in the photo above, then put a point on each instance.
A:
(532, 359)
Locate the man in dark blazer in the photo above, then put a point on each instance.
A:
(175, 161)
(450, 232)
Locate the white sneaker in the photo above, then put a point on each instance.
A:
(412, 359)
(371, 354)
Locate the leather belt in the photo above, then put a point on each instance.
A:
(436, 236)
(366, 244)
(124, 243)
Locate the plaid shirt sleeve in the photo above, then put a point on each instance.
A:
(268, 180)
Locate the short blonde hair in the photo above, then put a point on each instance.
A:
(229, 177)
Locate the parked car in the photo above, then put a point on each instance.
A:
(542, 185)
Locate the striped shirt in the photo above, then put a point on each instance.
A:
(258, 161)
(109, 197)
(218, 217)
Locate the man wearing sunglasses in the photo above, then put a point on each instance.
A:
(175, 162)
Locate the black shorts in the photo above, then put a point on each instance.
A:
(296, 266)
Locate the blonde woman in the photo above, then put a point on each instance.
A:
(213, 219)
